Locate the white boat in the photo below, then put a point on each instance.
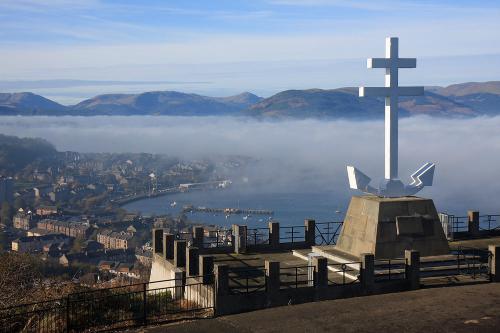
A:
(246, 217)
(173, 204)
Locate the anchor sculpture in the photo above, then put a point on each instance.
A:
(391, 186)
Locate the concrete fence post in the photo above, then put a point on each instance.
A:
(272, 276)
(412, 268)
(367, 272)
(158, 241)
(179, 283)
(221, 273)
(274, 235)
(310, 232)
(168, 246)
(192, 264)
(240, 238)
(494, 262)
(198, 233)
(180, 253)
(206, 268)
(473, 225)
(320, 271)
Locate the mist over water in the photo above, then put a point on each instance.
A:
(300, 156)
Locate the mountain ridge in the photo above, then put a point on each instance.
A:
(468, 99)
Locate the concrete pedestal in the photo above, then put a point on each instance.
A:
(387, 227)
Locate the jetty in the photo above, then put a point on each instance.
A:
(227, 211)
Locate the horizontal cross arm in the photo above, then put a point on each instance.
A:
(407, 63)
(410, 91)
(378, 63)
(386, 62)
(374, 91)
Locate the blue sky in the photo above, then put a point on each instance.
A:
(226, 47)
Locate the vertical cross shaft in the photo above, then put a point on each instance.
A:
(392, 186)
(391, 110)
(391, 93)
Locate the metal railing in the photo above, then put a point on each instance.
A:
(113, 308)
(293, 277)
(459, 223)
(257, 236)
(489, 222)
(292, 234)
(473, 261)
(390, 269)
(218, 238)
(327, 232)
(343, 273)
(246, 280)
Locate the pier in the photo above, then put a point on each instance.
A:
(227, 211)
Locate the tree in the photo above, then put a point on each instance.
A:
(6, 213)
(19, 203)
(19, 277)
(77, 245)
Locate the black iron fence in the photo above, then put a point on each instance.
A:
(473, 261)
(390, 269)
(257, 236)
(246, 280)
(327, 232)
(113, 308)
(297, 276)
(489, 222)
(218, 238)
(50, 316)
(459, 223)
(344, 273)
(292, 234)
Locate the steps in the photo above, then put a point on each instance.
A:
(443, 265)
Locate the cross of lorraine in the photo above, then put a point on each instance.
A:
(391, 186)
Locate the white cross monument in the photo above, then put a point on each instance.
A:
(392, 186)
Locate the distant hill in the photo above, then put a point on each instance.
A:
(317, 103)
(170, 103)
(458, 100)
(470, 88)
(26, 103)
(345, 103)
(483, 97)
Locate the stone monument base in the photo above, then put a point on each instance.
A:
(386, 227)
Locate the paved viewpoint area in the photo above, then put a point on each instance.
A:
(471, 308)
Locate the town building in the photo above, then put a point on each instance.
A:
(23, 220)
(47, 210)
(30, 244)
(72, 229)
(114, 240)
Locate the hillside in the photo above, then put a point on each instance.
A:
(26, 103)
(345, 103)
(16, 153)
(170, 103)
(483, 97)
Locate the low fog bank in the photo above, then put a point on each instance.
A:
(300, 155)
